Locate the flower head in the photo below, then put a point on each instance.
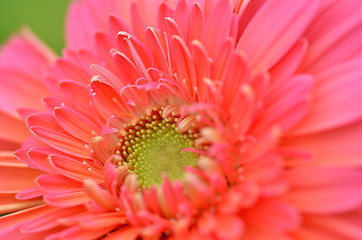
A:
(186, 119)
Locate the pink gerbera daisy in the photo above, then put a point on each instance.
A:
(185, 119)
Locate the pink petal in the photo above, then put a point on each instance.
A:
(75, 169)
(336, 147)
(337, 97)
(54, 183)
(274, 215)
(49, 220)
(62, 142)
(229, 227)
(70, 121)
(30, 193)
(127, 232)
(288, 106)
(24, 59)
(184, 64)
(324, 190)
(217, 27)
(12, 130)
(24, 215)
(67, 199)
(274, 29)
(334, 36)
(10, 204)
(24, 180)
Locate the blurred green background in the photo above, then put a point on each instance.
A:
(45, 17)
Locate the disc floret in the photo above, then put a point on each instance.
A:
(153, 146)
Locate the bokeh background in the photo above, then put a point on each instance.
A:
(44, 17)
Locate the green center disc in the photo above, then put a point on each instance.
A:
(154, 149)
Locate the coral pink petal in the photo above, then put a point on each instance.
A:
(53, 183)
(336, 147)
(75, 169)
(30, 193)
(69, 120)
(10, 204)
(229, 227)
(275, 215)
(25, 215)
(37, 157)
(12, 130)
(67, 199)
(86, 17)
(324, 190)
(289, 108)
(129, 233)
(332, 107)
(23, 59)
(47, 221)
(217, 26)
(334, 35)
(19, 183)
(268, 37)
(331, 227)
(62, 142)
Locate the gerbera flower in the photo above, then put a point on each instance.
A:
(186, 119)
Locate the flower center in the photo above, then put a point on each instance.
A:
(152, 147)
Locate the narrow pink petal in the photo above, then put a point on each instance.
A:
(62, 142)
(54, 183)
(197, 23)
(229, 227)
(287, 66)
(274, 215)
(41, 119)
(49, 220)
(76, 124)
(127, 232)
(104, 42)
(67, 69)
(222, 58)
(19, 183)
(236, 73)
(268, 37)
(334, 36)
(12, 129)
(181, 17)
(19, 90)
(154, 43)
(333, 107)
(138, 22)
(324, 190)
(287, 107)
(67, 199)
(217, 27)
(102, 220)
(75, 169)
(106, 100)
(117, 24)
(184, 64)
(336, 147)
(37, 157)
(99, 195)
(24, 215)
(30, 193)
(202, 64)
(78, 233)
(24, 59)
(335, 227)
(10, 204)
(78, 95)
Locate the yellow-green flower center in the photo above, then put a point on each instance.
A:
(153, 147)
